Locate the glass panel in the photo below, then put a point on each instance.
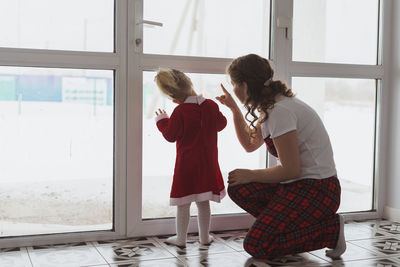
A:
(223, 28)
(347, 107)
(158, 152)
(56, 143)
(62, 25)
(335, 31)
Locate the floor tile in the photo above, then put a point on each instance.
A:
(14, 257)
(388, 246)
(234, 239)
(193, 246)
(352, 252)
(174, 262)
(302, 259)
(133, 251)
(355, 231)
(369, 243)
(231, 259)
(66, 257)
(383, 262)
(390, 228)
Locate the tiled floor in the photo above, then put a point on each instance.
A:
(369, 243)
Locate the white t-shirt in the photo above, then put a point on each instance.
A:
(315, 148)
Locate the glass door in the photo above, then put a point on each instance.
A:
(200, 40)
(62, 78)
(339, 74)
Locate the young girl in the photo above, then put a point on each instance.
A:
(193, 125)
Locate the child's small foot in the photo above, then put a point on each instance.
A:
(174, 240)
(341, 244)
(208, 241)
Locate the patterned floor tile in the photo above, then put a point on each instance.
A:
(133, 251)
(372, 263)
(66, 257)
(352, 252)
(356, 232)
(174, 262)
(193, 246)
(388, 246)
(369, 243)
(15, 257)
(232, 259)
(234, 239)
(302, 259)
(390, 228)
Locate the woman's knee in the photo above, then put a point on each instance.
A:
(253, 247)
(233, 192)
(258, 245)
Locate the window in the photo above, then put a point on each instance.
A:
(159, 155)
(60, 118)
(58, 25)
(56, 150)
(223, 28)
(336, 32)
(348, 110)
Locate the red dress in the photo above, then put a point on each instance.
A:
(194, 126)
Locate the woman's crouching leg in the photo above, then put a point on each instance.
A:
(252, 197)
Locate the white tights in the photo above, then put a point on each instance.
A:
(182, 222)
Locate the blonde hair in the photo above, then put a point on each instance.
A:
(174, 84)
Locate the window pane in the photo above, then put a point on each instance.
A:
(223, 28)
(347, 108)
(62, 25)
(159, 155)
(335, 31)
(56, 143)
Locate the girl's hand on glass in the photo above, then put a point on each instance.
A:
(159, 112)
(226, 99)
(239, 176)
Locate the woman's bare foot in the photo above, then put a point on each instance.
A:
(341, 244)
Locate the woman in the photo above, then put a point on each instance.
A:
(294, 203)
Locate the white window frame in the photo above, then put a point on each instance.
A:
(115, 61)
(286, 69)
(137, 63)
(128, 65)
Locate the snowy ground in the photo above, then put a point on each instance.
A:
(56, 165)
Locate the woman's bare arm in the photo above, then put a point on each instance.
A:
(290, 168)
(250, 139)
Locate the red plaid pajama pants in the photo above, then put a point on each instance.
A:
(290, 218)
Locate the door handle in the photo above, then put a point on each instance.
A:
(149, 22)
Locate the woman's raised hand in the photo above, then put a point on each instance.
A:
(226, 99)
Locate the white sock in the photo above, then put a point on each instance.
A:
(203, 220)
(182, 222)
(341, 244)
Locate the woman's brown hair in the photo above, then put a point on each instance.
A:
(257, 72)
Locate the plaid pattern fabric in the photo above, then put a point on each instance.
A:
(270, 146)
(290, 218)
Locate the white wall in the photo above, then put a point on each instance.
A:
(392, 207)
